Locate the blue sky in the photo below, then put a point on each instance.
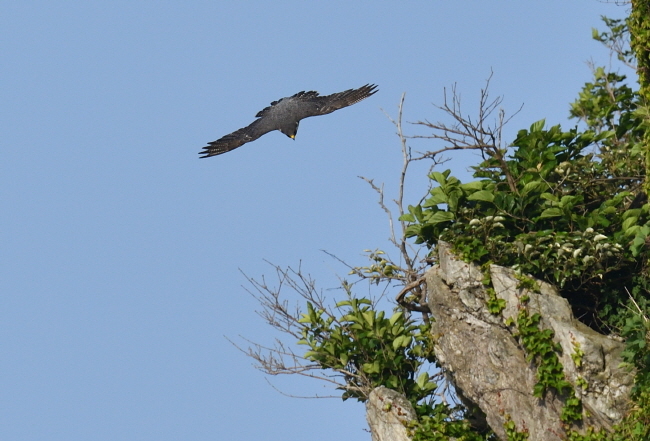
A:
(121, 250)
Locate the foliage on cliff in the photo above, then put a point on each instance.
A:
(567, 206)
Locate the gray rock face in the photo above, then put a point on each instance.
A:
(489, 366)
(387, 413)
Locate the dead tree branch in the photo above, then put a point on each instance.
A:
(467, 133)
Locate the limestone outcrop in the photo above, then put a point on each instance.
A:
(388, 412)
(489, 366)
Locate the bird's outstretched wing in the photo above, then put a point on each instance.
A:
(311, 104)
(235, 139)
(285, 114)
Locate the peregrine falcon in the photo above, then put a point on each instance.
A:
(285, 115)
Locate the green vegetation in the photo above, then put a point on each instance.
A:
(542, 350)
(371, 349)
(568, 207)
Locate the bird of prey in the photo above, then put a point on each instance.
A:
(285, 115)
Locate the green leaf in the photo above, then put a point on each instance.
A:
(437, 197)
(438, 177)
(369, 317)
(595, 34)
(533, 186)
(441, 216)
(395, 317)
(549, 197)
(473, 186)
(537, 126)
(551, 212)
(422, 380)
(371, 368)
(304, 318)
(629, 222)
(401, 341)
(482, 195)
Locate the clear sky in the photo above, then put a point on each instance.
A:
(120, 250)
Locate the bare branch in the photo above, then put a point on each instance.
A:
(465, 133)
(380, 192)
(299, 396)
(406, 160)
(279, 359)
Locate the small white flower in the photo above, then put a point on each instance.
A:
(599, 237)
(497, 224)
(589, 230)
(474, 222)
(577, 253)
(499, 218)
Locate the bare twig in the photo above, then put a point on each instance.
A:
(465, 133)
(380, 192)
(299, 396)
(281, 360)
(406, 160)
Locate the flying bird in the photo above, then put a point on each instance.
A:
(285, 115)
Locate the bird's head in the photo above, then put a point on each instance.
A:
(290, 129)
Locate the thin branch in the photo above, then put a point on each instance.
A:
(298, 396)
(380, 192)
(466, 134)
(406, 159)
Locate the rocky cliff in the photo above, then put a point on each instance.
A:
(488, 365)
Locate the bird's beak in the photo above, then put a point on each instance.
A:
(292, 137)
